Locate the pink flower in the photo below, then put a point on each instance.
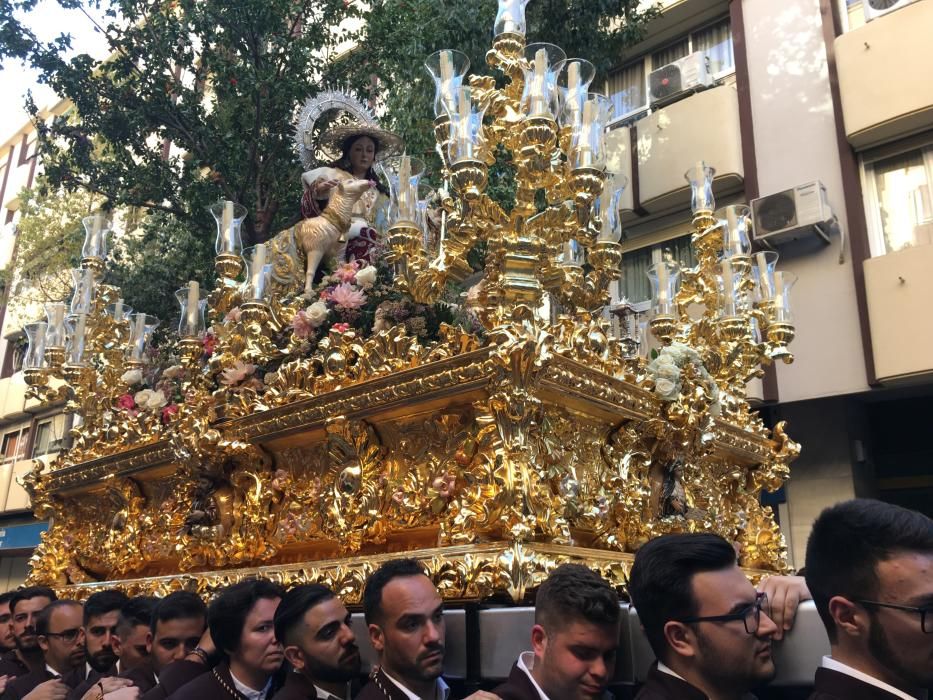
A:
(209, 343)
(347, 296)
(301, 325)
(233, 315)
(168, 412)
(346, 272)
(126, 402)
(340, 327)
(237, 373)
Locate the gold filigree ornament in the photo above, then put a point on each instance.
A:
(309, 452)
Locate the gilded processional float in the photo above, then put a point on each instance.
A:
(320, 413)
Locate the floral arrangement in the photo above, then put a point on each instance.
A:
(152, 393)
(668, 367)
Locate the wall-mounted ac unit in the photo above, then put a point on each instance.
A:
(791, 214)
(876, 8)
(674, 80)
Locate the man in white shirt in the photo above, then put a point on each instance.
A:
(870, 569)
(573, 641)
(313, 626)
(405, 615)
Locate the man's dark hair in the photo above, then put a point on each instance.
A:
(575, 592)
(137, 611)
(227, 613)
(372, 594)
(6, 597)
(103, 602)
(180, 605)
(44, 616)
(29, 593)
(291, 611)
(661, 580)
(848, 541)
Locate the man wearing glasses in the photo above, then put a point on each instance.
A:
(710, 630)
(61, 637)
(870, 568)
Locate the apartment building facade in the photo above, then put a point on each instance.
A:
(28, 430)
(823, 108)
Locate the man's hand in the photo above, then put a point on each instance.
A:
(108, 685)
(784, 594)
(50, 690)
(482, 695)
(3, 682)
(127, 693)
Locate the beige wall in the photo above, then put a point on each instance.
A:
(899, 287)
(886, 75)
(826, 471)
(795, 142)
(13, 572)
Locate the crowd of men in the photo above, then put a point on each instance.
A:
(869, 569)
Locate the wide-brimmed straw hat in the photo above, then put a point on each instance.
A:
(387, 143)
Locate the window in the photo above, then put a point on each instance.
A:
(628, 86)
(852, 13)
(14, 445)
(43, 439)
(634, 284)
(899, 194)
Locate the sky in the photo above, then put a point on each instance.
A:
(47, 20)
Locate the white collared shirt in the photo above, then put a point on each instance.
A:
(51, 670)
(441, 689)
(526, 662)
(248, 692)
(833, 665)
(667, 669)
(326, 695)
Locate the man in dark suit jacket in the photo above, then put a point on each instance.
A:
(405, 615)
(180, 647)
(25, 605)
(101, 614)
(870, 569)
(61, 638)
(313, 626)
(707, 625)
(573, 641)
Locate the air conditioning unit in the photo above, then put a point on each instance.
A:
(875, 8)
(685, 75)
(792, 214)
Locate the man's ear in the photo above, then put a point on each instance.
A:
(43, 643)
(538, 641)
(296, 657)
(376, 637)
(681, 638)
(149, 642)
(115, 644)
(850, 619)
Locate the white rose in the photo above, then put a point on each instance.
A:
(132, 376)
(156, 400)
(670, 371)
(317, 313)
(366, 277)
(665, 359)
(665, 388)
(142, 397)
